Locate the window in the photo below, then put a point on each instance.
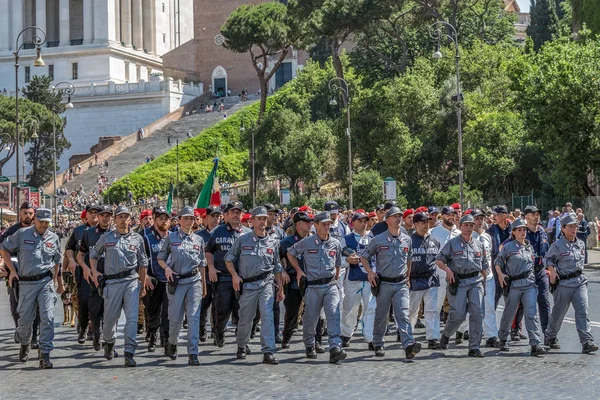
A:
(27, 74)
(164, 38)
(51, 71)
(163, 7)
(75, 70)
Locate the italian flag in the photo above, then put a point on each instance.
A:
(211, 193)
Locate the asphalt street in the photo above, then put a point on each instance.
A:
(79, 372)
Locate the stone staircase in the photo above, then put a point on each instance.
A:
(156, 144)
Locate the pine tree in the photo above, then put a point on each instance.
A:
(544, 22)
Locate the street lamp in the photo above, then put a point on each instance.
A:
(33, 124)
(340, 84)
(38, 42)
(169, 135)
(244, 113)
(437, 31)
(69, 90)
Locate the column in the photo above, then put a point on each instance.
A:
(104, 20)
(126, 22)
(40, 14)
(137, 23)
(88, 21)
(4, 26)
(153, 29)
(17, 22)
(117, 20)
(64, 25)
(147, 16)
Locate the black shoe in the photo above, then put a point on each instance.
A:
(90, 335)
(466, 335)
(589, 347)
(515, 335)
(129, 361)
(411, 350)
(345, 341)
(81, 337)
(419, 324)
(336, 355)
(34, 344)
(285, 343)
(203, 337)
(24, 353)
(475, 353)
(445, 318)
(147, 338)
(434, 344)
(96, 343)
(253, 332)
(387, 331)
(319, 348)
(45, 361)
(553, 343)
(504, 345)
(220, 339)
(241, 353)
(537, 350)
(444, 342)
(371, 347)
(193, 359)
(109, 351)
(311, 353)
(277, 339)
(458, 339)
(172, 351)
(140, 329)
(152, 343)
(185, 324)
(379, 351)
(492, 342)
(270, 359)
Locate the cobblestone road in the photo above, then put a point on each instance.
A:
(80, 373)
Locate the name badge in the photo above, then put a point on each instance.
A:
(247, 248)
(514, 252)
(29, 241)
(565, 254)
(110, 244)
(175, 244)
(313, 252)
(458, 253)
(384, 247)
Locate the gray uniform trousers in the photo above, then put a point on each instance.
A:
(469, 298)
(527, 295)
(121, 295)
(33, 296)
(563, 297)
(187, 299)
(328, 299)
(398, 295)
(263, 298)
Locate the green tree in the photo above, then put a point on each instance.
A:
(40, 154)
(544, 22)
(265, 31)
(367, 189)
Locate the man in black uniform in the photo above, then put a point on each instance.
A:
(221, 239)
(83, 287)
(26, 213)
(211, 221)
(95, 303)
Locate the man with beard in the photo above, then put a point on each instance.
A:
(499, 232)
(25, 220)
(407, 221)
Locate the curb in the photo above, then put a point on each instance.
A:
(595, 266)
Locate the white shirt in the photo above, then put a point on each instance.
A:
(443, 234)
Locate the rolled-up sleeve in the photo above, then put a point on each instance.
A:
(99, 248)
(297, 249)
(551, 258)
(444, 254)
(163, 254)
(501, 258)
(370, 250)
(12, 243)
(234, 251)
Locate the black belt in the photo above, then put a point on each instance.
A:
(257, 277)
(538, 268)
(571, 275)
(420, 275)
(521, 276)
(189, 274)
(319, 281)
(33, 278)
(469, 275)
(120, 275)
(397, 279)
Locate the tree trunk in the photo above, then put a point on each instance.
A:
(263, 98)
(337, 65)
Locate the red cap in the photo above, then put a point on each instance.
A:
(360, 210)
(246, 217)
(303, 208)
(83, 214)
(146, 213)
(408, 212)
(371, 215)
(456, 206)
(197, 213)
(422, 209)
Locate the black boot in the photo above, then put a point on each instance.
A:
(444, 342)
(336, 355)
(193, 360)
(108, 351)
(172, 350)
(45, 361)
(475, 353)
(96, 342)
(241, 353)
(129, 361)
(537, 350)
(81, 336)
(24, 353)
(319, 348)
(270, 359)
(34, 343)
(285, 342)
(589, 347)
(152, 343)
(458, 339)
(345, 341)
(504, 345)
(434, 344)
(412, 349)
(492, 342)
(311, 353)
(553, 343)
(203, 336)
(379, 351)
(220, 339)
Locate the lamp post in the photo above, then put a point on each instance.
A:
(252, 158)
(340, 84)
(38, 42)
(437, 31)
(169, 135)
(33, 123)
(69, 90)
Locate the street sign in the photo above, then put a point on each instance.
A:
(389, 189)
(284, 197)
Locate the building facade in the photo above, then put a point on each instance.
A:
(96, 45)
